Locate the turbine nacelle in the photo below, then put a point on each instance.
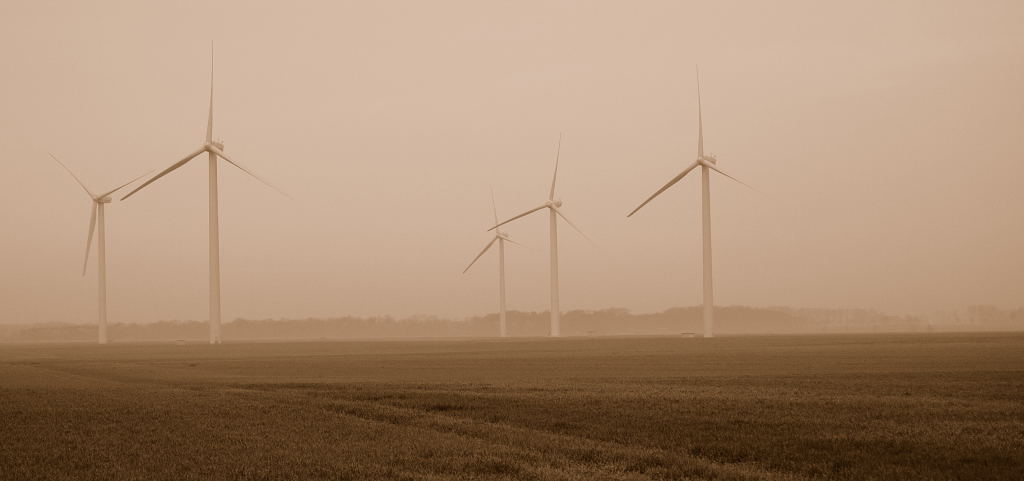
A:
(216, 145)
(711, 158)
(554, 203)
(103, 200)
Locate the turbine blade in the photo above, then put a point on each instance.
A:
(478, 256)
(88, 240)
(124, 185)
(716, 169)
(542, 206)
(566, 219)
(247, 171)
(165, 172)
(700, 122)
(514, 242)
(494, 206)
(558, 153)
(669, 184)
(209, 119)
(86, 189)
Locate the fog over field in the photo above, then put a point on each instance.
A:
(883, 138)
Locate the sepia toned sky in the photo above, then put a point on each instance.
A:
(884, 138)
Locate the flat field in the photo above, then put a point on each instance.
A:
(892, 407)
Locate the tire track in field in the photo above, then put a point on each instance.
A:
(49, 375)
(562, 456)
(178, 374)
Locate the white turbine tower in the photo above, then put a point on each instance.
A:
(707, 163)
(97, 223)
(214, 149)
(499, 237)
(553, 211)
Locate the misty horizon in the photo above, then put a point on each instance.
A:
(888, 157)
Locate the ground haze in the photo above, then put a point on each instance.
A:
(921, 406)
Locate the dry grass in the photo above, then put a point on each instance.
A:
(924, 407)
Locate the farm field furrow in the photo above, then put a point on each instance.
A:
(915, 407)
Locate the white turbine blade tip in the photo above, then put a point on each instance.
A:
(716, 169)
(88, 241)
(220, 154)
(670, 183)
(518, 216)
(165, 172)
(478, 256)
(574, 226)
(558, 154)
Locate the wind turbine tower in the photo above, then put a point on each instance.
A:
(98, 225)
(707, 163)
(214, 149)
(499, 237)
(554, 212)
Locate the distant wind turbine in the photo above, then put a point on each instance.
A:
(499, 237)
(706, 163)
(98, 201)
(553, 211)
(214, 149)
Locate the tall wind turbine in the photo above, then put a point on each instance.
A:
(499, 237)
(707, 163)
(98, 201)
(214, 149)
(553, 213)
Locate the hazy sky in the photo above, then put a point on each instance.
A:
(886, 138)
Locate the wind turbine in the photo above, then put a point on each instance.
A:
(98, 202)
(499, 237)
(707, 163)
(215, 149)
(553, 211)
